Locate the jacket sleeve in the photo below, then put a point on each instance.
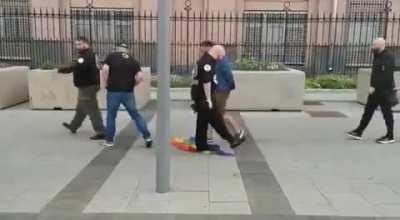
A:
(229, 75)
(225, 76)
(389, 66)
(91, 65)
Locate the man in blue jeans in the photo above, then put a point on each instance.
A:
(122, 73)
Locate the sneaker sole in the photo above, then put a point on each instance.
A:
(354, 137)
(106, 146)
(386, 142)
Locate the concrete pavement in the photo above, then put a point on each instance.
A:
(294, 166)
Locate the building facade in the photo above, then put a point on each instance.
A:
(309, 6)
(315, 35)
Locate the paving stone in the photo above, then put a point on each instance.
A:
(377, 193)
(238, 208)
(191, 183)
(388, 210)
(318, 210)
(152, 207)
(188, 207)
(352, 205)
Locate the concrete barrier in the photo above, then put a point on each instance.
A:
(50, 90)
(13, 86)
(363, 84)
(268, 90)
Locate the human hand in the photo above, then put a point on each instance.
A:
(371, 90)
(210, 104)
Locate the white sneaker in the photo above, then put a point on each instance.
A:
(385, 140)
(242, 134)
(107, 144)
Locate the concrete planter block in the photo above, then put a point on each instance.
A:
(50, 90)
(363, 84)
(13, 85)
(268, 90)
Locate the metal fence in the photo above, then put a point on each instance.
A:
(317, 44)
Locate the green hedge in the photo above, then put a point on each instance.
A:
(331, 82)
(176, 81)
(254, 65)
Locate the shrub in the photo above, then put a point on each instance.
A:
(254, 65)
(177, 81)
(331, 82)
(4, 65)
(48, 66)
(312, 84)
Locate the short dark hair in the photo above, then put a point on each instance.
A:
(207, 43)
(84, 40)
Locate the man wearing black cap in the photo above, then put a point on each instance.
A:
(87, 80)
(121, 73)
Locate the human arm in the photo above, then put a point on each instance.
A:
(139, 78)
(207, 92)
(388, 70)
(104, 74)
(225, 76)
(382, 79)
(137, 70)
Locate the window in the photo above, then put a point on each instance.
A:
(365, 6)
(275, 36)
(105, 27)
(14, 20)
(14, 30)
(103, 24)
(366, 23)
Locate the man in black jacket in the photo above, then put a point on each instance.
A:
(87, 80)
(202, 91)
(381, 89)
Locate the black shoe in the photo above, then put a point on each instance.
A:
(98, 137)
(385, 140)
(236, 143)
(354, 135)
(68, 126)
(148, 142)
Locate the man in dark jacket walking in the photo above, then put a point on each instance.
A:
(202, 91)
(87, 80)
(381, 89)
(225, 84)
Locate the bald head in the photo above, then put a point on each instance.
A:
(379, 45)
(217, 52)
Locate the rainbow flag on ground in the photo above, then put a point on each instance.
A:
(188, 145)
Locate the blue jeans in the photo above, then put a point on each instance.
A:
(127, 99)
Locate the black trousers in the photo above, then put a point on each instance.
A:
(205, 117)
(373, 102)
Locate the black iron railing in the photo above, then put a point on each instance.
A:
(317, 44)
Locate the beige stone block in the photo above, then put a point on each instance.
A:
(268, 90)
(13, 85)
(50, 90)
